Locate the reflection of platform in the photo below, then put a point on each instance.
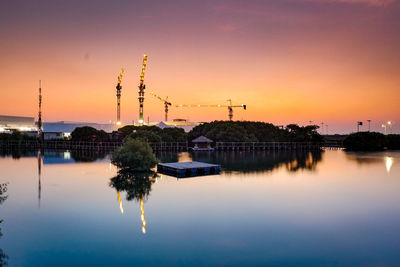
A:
(204, 149)
(192, 168)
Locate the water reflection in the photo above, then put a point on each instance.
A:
(17, 153)
(369, 158)
(137, 187)
(3, 197)
(261, 161)
(40, 160)
(388, 163)
(56, 156)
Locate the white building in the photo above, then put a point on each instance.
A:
(22, 124)
(178, 123)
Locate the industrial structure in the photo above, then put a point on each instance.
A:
(142, 87)
(119, 87)
(166, 104)
(230, 107)
(39, 123)
(21, 124)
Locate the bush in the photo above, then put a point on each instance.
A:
(152, 134)
(135, 155)
(365, 141)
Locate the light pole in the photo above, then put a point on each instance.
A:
(369, 125)
(390, 126)
(384, 126)
(327, 132)
(322, 128)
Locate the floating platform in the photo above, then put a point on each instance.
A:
(187, 169)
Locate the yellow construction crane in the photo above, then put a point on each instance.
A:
(119, 87)
(142, 87)
(166, 104)
(230, 107)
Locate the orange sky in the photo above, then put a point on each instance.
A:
(290, 61)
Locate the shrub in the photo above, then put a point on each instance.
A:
(135, 155)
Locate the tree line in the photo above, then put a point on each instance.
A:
(371, 141)
(218, 131)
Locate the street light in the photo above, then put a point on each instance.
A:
(384, 126)
(390, 126)
(369, 125)
(359, 123)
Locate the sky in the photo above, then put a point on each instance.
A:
(289, 61)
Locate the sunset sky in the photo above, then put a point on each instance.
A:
(290, 61)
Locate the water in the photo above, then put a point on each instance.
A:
(267, 209)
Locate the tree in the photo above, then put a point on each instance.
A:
(251, 131)
(87, 133)
(146, 135)
(393, 141)
(365, 141)
(134, 155)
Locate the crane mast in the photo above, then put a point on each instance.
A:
(166, 104)
(142, 87)
(119, 87)
(40, 124)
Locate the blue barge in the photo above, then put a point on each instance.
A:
(185, 169)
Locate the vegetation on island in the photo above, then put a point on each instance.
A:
(250, 131)
(393, 141)
(87, 133)
(152, 134)
(135, 155)
(365, 141)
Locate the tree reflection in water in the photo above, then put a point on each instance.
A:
(3, 197)
(261, 161)
(137, 186)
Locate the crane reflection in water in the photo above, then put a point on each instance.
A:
(3, 197)
(137, 186)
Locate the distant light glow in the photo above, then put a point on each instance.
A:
(25, 129)
(118, 123)
(388, 163)
(140, 121)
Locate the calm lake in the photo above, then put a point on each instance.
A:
(332, 208)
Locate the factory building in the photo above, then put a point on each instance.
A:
(12, 123)
(178, 123)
